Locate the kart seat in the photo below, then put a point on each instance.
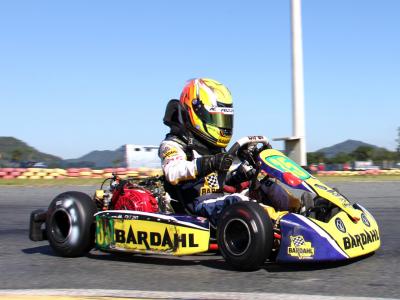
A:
(173, 116)
(177, 201)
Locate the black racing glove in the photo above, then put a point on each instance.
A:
(207, 164)
(243, 173)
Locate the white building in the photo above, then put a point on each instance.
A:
(142, 156)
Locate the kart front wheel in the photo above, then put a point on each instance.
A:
(245, 235)
(70, 224)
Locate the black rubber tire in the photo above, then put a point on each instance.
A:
(245, 235)
(70, 224)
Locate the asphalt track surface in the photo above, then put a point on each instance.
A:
(32, 265)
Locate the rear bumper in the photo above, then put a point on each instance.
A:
(37, 230)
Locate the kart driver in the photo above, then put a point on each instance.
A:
(193, 155)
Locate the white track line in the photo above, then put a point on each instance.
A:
(175, 295)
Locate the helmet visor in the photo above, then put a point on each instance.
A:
(222, 117)
(221, 120)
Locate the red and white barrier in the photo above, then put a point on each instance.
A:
(38, 173)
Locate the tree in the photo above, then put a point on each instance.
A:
(381, 154)
(363, 153)
(342, 158)
(16, 155)
(315, 157)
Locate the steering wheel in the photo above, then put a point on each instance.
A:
(246, 148)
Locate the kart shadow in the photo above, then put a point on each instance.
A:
(209, 260)
(45, 250)
(310, 266)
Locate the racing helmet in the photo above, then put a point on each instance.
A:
(209, 110)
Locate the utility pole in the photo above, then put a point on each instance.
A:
(298, 81)
(295, 146)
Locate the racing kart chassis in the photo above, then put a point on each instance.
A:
(248, 233)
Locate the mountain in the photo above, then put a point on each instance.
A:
(13, 150)
(14, 153)
(99, 159)
(344, 147)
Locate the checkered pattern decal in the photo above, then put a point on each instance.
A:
(212, 181)
(298, 240)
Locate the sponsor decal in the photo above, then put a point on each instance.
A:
(169, 153)
(255, 138)
(300, 248)
(222, 110)
(171, 159)
(285, 164)
(129, 217)
(208, 190)
(365, 220)
(104, 231)
(340, 225)
(163, 236)
(152, 239)
(360, 240)
(342, 199)
(224, 140)
(212, 180)
(211, 185)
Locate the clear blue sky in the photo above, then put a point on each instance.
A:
(77, 76)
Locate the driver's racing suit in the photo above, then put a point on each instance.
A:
(203, 194)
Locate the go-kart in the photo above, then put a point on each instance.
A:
(129, 216)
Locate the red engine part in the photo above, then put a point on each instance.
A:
(231, 189)
(134, 198)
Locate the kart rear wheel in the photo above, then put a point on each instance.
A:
(70, 224)
(245, 235)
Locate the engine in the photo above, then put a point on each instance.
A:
(134, 198)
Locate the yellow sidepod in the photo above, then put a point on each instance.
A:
(132, 233)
